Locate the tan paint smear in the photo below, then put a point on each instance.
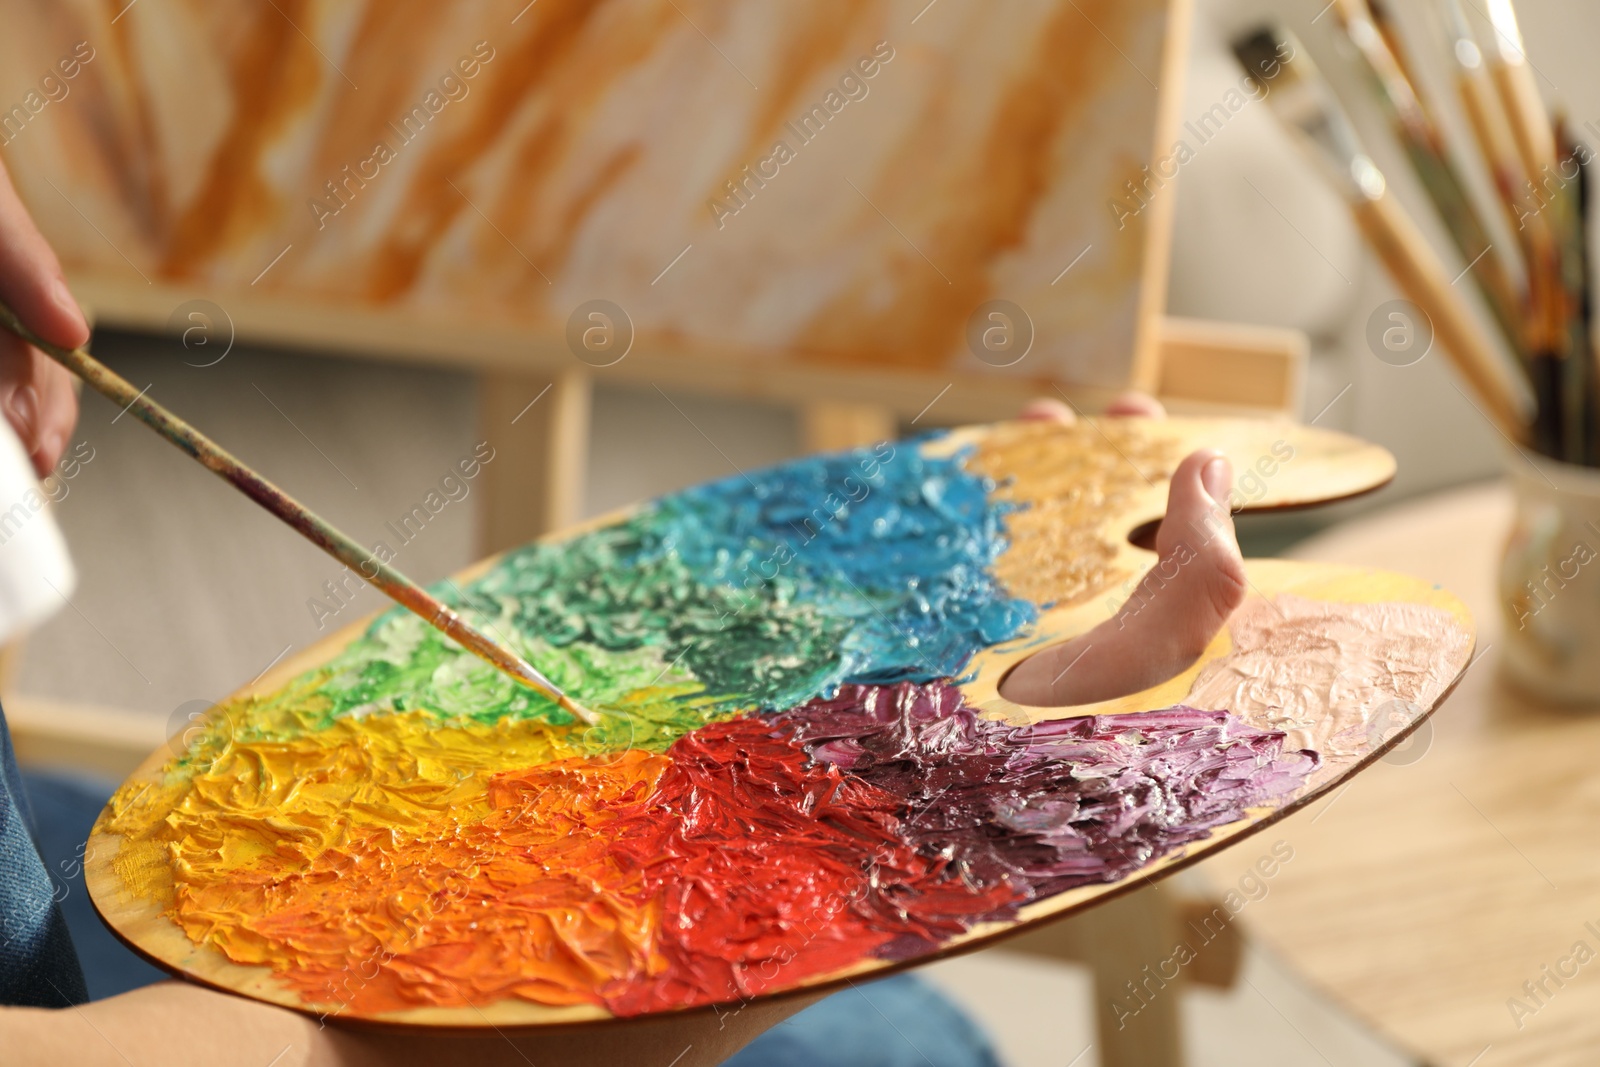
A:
(1324, 672)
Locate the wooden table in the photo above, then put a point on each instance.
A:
(1426, 894)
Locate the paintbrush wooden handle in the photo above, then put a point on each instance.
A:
(1530, 122)
(1495, 142)
(1376, 40)
(314, 528)
(1423, 278)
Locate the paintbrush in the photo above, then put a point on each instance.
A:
(1570, 207)
(1534, 136)
(1424, 144)
(1584, 338)
(1490, 127)
(319, 531)
(1525, 215)
(1378, 10)
(1519, 93)
(1297, 93)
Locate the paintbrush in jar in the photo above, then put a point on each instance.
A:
(1298, 95)
(1570, 208)
(318, 531)
(1519, 93)
(1483, 102)
(1491, 129)
(1376, 41)
(1534, 135)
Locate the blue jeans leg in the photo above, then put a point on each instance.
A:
(896, 1022)
(64, 808)
(37, 965)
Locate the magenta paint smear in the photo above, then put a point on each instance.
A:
(1046, 807)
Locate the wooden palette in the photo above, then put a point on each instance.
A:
(302, 828)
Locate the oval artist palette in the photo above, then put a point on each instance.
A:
(803, 773)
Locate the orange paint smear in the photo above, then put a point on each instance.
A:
(527, 901)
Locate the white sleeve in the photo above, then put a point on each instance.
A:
(36, 574)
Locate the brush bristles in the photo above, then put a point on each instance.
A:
(1261, 55)
(579, 710)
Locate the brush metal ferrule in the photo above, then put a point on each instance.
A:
(1464, 43)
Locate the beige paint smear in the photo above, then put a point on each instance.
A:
(1319, 670)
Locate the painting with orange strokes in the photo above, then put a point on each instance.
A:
(846, 180)
(802, 772)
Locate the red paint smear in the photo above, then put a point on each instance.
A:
(773, 870)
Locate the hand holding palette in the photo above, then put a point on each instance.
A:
(804, 772)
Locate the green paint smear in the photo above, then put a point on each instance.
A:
(623, 588)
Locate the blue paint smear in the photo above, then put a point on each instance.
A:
(901, 545)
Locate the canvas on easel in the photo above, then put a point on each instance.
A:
(843, 186)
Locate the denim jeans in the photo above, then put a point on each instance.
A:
(38, 966)
(897, 1022)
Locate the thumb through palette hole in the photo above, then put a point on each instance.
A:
(1091, 687)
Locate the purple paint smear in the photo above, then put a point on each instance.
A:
(1050, 806)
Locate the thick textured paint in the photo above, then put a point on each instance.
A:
(240, 799)
(1059, 804)
(787, 784)
(643, 882)
(1334, 677)
(900, 545)
(769, 588)
(756, 852)
(1064, 483)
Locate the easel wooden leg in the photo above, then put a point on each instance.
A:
(1131, 940)
(1136, 1008)
(539, 428)
(829, 426)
